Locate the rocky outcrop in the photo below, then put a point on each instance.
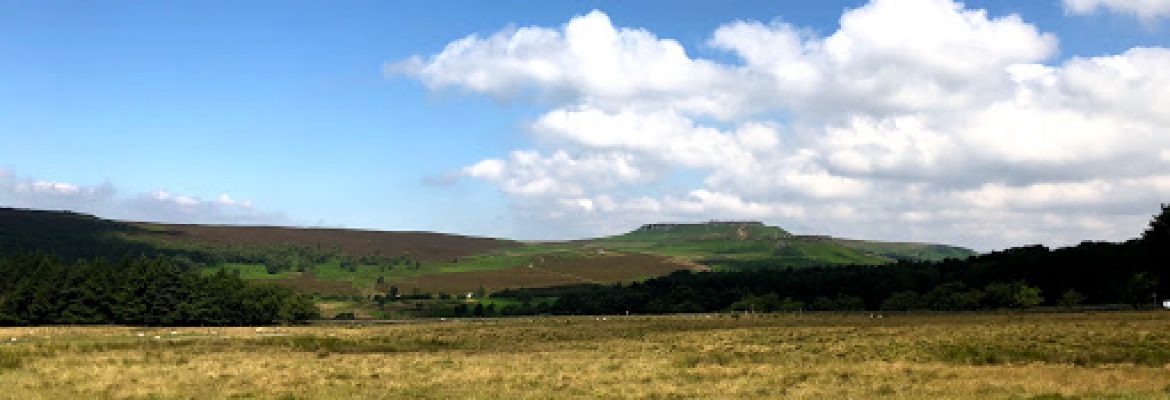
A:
(671, 226)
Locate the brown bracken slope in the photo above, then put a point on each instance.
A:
(425, 246)
(547, 271)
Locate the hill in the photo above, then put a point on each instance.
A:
(750, 244)
(72, 235)
(66, 235)
(347, 265)
(332, 263)
(1134, 273)
(422, 246)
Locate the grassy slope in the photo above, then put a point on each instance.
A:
(697, 241)
(902, 250)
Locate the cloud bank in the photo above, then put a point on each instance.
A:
(104, 201)
(915, 120)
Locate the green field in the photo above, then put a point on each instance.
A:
(765, 356)
(365, 277)
(255, 272)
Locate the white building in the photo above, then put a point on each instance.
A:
(1166, 304)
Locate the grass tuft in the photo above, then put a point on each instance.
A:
(1086, 353)
(1051, 396)
(10, 360)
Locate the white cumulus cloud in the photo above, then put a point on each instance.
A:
(914, 120)
(587, 60)
(1145, 9)
(530, 173)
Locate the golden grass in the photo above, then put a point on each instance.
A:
(1090, 356)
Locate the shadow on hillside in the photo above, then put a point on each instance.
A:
(67, 235)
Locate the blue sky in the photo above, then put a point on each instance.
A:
(306, 111)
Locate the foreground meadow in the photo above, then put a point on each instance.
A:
(1023, 356)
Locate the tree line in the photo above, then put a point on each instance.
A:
(1135, 272)
(39, 290)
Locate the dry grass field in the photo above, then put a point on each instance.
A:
(1024, 356)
